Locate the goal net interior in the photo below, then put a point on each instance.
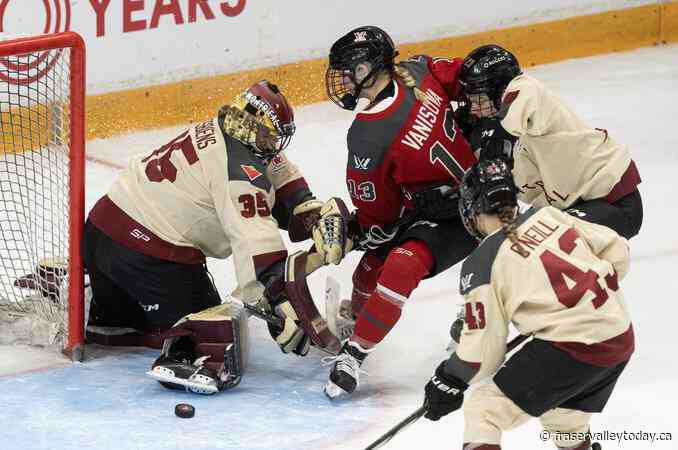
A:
(41, 190)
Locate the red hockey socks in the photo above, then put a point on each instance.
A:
(402, 271)
(365, 280)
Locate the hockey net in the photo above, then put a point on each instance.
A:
(42, 106)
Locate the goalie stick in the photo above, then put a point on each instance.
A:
(297, 268)
(416, 415)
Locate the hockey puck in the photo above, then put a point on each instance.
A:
(184, 410)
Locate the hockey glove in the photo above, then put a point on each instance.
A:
(464, 119)
(489, 140)
(330, 233)
(304, 217)
(438, 203)
(444, 393)
(291, 337)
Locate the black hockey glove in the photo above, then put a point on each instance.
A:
(444, 394)
(437, 203)
(465, 120)
(489, 140)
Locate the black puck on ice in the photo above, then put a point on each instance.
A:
(184, 410)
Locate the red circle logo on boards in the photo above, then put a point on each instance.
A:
(57, 19)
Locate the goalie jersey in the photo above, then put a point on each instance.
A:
(558, 159)
(562, 287)
(204, 194)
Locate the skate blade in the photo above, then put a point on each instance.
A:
(196, 388)
(332, 391)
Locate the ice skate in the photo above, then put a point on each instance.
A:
(176, 372)
(345, 376)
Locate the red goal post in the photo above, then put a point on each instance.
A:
(42, 184)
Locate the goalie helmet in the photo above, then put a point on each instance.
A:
(260, 118)
(486, 188)
(366, 44)
(488, 70)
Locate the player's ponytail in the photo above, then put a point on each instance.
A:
(405, 77)
(507, 216)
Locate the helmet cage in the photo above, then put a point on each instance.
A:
(265, 121)
(486, 188)
(362, 45)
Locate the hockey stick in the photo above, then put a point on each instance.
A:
(265, 315)
(416, 415)
(377, 234)
(391, 229)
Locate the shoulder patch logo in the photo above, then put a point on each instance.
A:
(466, 281)
(361, 163)
(251, 172)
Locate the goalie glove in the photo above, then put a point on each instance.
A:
(291, 337)
(444, 393)
(330, 233)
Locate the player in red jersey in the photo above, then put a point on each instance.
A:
(406, 154)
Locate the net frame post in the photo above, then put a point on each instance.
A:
(74, 347)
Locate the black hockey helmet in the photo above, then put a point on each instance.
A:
(488, 70)
(363, 44)
(487, 187)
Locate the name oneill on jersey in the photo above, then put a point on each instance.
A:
(533, 236)
(423, 124)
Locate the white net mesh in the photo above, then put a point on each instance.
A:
(34, 197)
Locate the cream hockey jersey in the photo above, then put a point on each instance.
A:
(563, 288)
(559, 159)
(202, 194)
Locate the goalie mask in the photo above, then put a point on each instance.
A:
(486, 72)
(486, 188)
(260, 118)
(355, 59)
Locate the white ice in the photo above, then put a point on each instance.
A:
(107, 402)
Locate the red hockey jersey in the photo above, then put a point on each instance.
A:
(401, 145)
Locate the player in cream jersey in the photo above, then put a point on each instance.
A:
(558, 159)
(220, 188)
(552, 276)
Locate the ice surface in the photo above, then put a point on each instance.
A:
(108, 402)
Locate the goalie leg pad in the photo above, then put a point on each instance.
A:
(204, 348)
